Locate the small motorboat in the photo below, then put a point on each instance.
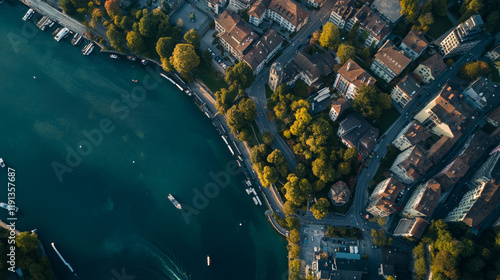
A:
(113, 56)
(135, 81)
(208, 261)
(2, 163)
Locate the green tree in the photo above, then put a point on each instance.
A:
(384, 101)
(235, 119)
(293, 193)
(115, 37)
(289, 208)
(292, 222)
(300, 89)
(222, 100)
(135, 42)
(294, 236)
(440, 7)
(248, 108)
(192, 37)
(320, 208)
(165, 46)
(409, 8)
(345, 52)
(302, 120)
(492, 21)
(330, 36)
(268, 137)
(473, 70)
(207, 56)
(279, 161)
(344, 168)
(351, 155)
(241, 74)
(147, 26)
(353, 33)
(294, 250)
(294, 270)
(420, 268)
(112, 8)
(323, 170)
(184, 58)
(366, 102)
(390, 277)
(270, 176)
(424, 22)
(67, 7)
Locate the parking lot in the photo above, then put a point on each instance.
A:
(206, 44)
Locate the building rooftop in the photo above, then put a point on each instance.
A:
(359, 133)
(228, 19)
(313, 66)
(430, 198)
(414, 227)
(340, 105)
(416, 163)
(355, 74)
(488, 200)
(339, 193)
(480, 92)
(441, 148)
(289, 11)
(409, 86)
(344, 8)
(392, 57)
(391, 9)
(495, 115)
(436, 64)
(262, 48)
(258, 8)
(372, 23)
(416, 41)
(416, 133)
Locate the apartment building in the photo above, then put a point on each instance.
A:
(355, 131)
(480, 93)
(350, 77)
(430, 69)
(385, 197)
(414, 44)
(412, 134)
(308, 68)
(424, 200)
(463, 38)
(405, 91)
(372, 27)
(414, 227)
(410, 165)
(286, 13)
(389, 62)
(338, 107)
(342, 14)
(238, 5)
(235, 36)
(263, 50)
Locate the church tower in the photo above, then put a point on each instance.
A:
(275, 75)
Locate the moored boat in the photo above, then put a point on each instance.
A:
(144, 62)
(174, 201)
(61, 34)
(2, 163)
(8, 207)
(88, 49)
(28, 14)
(113, 56)
(208, 260)
(132, 58)
(255, 201)
(135, 81)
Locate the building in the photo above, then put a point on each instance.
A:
(414, 44)
(494, 54)
(410, 165)
(309, 68)
(275, 76)
(494, 117)
(437, 151)
(339, 193)
(414, 227)
(350, 77)
(263, 50)
(405, 91)
(239, 4)
(430, 68)
(316, 3)
(412, 134)
(216, 5)
(338, 107)
(354, 131)
(479, 202)
(423, 200)
(480, 92)
(235, 36)
(386, 270)
(286, 13)
(342, 14)
(463, 38)
(389, 62)
(372, 27)
(448, 113)
(385, 197)
(390, 10)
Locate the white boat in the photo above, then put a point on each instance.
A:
(61, 34)
(253, 191)
(28, 14)
(113, 56)
(144, 62)
(174, 201)
(131, 58)
(248, 191)
(208, 261)
(8, 207)
(88, 49)
(255, 201)
(258, 200)
(2, 163)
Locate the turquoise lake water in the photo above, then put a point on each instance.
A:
(118, 158)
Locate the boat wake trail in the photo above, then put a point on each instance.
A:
(170, 266)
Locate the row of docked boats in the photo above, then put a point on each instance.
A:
(45, 22)
(251, 191)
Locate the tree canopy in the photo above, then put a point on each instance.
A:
(409, 8)
(345, 52)
(165, 46)
(192, 37)
(240, 74)
(112, 8)
(320, 208)
(184, 58)
(473, 70)
(135, 42)
(370, 103)
(330, 36)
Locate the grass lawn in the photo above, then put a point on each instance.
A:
(440, 26)
(252, 141)
(269, 92)
(209, 76)
(387, 118)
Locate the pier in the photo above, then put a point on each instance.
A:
(275, 224)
